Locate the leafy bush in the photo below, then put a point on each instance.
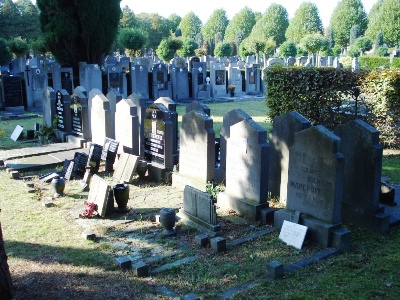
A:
(316, 93)
(373, 62)
(382, 90)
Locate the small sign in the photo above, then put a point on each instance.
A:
(17, 132)
(293, 234)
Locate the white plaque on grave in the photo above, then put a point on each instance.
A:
(17, 132)
(293, 234)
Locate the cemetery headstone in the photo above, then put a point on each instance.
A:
(235, 79)
(101, 193)
(109, 153)
(17, 132)
(49, 106)
(12, 92)
(94, 158)
(127, 127)
(218, 79)
(180, 83)
(141, 112)
(90, 76)
(197, 151)
(126, 168)
(362, 176)
(161, 85)
(247, 160)
(63, 112)
(101, 120)
(114, 77)
(252, 79)
(82, 112)
(197, 105)
(199, 211)
(80, 162)
(200, 88)
(140, 80)
(281, 139)
(315, 187)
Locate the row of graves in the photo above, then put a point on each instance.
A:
(324, 178)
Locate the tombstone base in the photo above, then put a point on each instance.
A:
(61, 135)
(76, 140)
(192, 221)
(180, 181)
(324, 234)
(16, 109)
(159, 174)
(247, 208)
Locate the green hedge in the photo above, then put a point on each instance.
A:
(374, 62)
(318, 93)
(315, 93)
(382, 92)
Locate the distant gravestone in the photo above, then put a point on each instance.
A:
(180, 83)
(126, 168)
(362, 176)
(199, 211)
(101, 194)
(218, 79)
(101, 119)
(315, 186)
(200, 88)
(63, 112)
(90, 76)
(281, 139)
(197, 151)
(127, 127)
(235, 79)
(12, 91)
(141, 112)
(252, 79)
(161, 85)
(82, 102)
(247, 159)
(49, 107)
(76, 113)
(114, 76)
(140, 80)
(197, 105)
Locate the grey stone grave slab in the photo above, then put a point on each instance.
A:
(101, 194)
(90, 76)
(80, 161)
(49, 106)
(94, 158)
(315, 186)
(231, 118)
(101, 120)
(140, 80)
(197, 151)
(252, 79)
(161, 86)
(180, 83)
(199, 211)
(158, 136)
(127, 127)
(12, 92)
(362, 176)
(247, 160)
(126, 168)
(141, 112)
(218, 79)
(293, 234)
(235, 79)
(198, 105)
(281, 139)
(17, 132)
(63, 112)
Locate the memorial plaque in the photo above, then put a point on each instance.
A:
(200, 79)
(17, 132)
(154, 136)
(94, 158)
(12, 89)
(76, 113)
(66, 81)
(114, 79)
(60, 113)
(109, 150)
(160, 77)
(80, 161)
(293, 234)
(219, 77)
(252, 78)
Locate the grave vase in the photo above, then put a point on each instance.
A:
(167, 220)
(58, 185)
(121, 195)
(232, 92)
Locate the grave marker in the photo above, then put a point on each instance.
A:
(101, 193)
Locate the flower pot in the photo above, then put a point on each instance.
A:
(167, 220)
(30, 134)
(58, 185)
(121, 196)
(232, 93)
(141, 168)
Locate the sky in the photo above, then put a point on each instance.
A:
(204, 8)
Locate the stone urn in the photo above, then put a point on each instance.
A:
(141, 168)
(58, 185)
(121, 196)
(167, 220)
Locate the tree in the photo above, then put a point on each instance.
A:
(9, 20)
(373, 20)
(242, 22)
(217, 23)
(188, 48)
(330, 36)
(360, 45)
(244, 49)
(39, 46)
(346, 14)
(78, 31)
(128, 19)
(168, 47)
(314, 42)
(5, 54)
(273, 24)
(132, 39)
(354, 33)
(223, 49)
(386, 19)
(199, 39)
(306, 21)
(18, 46)
(156, 26)
(174, 21)
(29, 25)
(190, 25)
(288, 48)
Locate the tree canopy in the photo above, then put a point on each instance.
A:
(78, 31)
(190, 25)
(132, 39)
(168, 47)
(273, 24)
(5, 54)
(346, 14)
(216, 24)
(306, 21)
(223, 49)
(156, 26)
(242, 22)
